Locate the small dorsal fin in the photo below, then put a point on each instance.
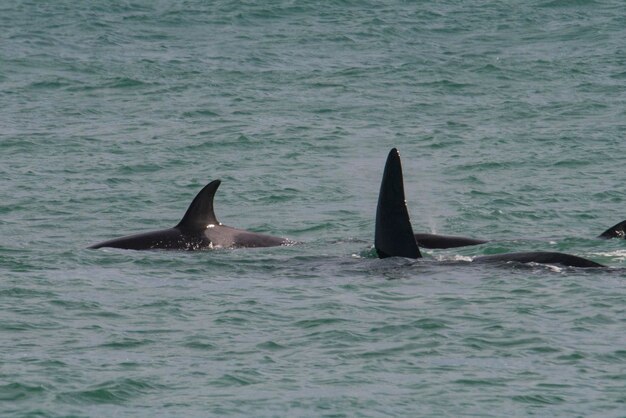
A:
(394, 234)
(200, 213)
(616, 231)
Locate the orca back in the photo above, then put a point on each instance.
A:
(541, 257)
(445, 241)
(616, 231)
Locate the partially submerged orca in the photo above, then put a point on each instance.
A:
(394, 235)
(436, 241)
(199, 229)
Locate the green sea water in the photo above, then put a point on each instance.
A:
(510, 118)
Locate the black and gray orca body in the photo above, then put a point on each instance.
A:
(616, 231)
(394, 235)
(199, 229)
(540, 257)
(436, 241)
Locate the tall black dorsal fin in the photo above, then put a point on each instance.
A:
(394, 234)
(616, 231)
(200, 213)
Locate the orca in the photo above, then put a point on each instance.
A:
(541, 257)
(436, 241)
(198, 229)
(394, 235)
(616, 231)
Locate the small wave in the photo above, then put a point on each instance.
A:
(568, 3)
(539, 399)
(199, 345)
(229, 380)
(113, 392)
(199, 113)
(51, 84)
(550, 267)
(271, 346)
(17, 391)
(127, 343)
(455, 257)
(313, 323)
(125, 83)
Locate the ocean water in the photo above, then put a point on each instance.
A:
(510, 118)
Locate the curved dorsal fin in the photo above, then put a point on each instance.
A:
(200, 213)
(616, 231)
(394, 234)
